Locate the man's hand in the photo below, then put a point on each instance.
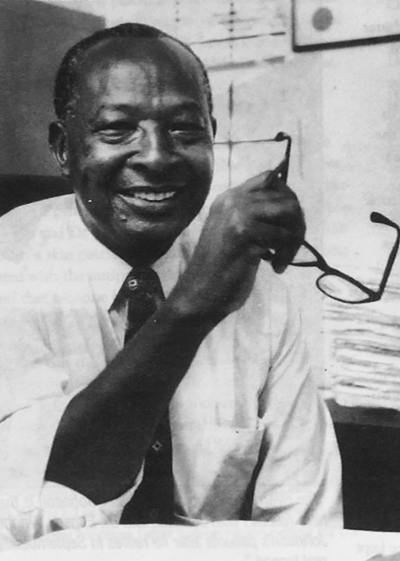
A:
(290, 218)
(260, 219)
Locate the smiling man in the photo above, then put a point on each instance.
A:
(138, 145)
(185, 400)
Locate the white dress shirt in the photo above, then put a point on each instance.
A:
(245, 416)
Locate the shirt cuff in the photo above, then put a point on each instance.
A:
(60, 508)
(64, 508)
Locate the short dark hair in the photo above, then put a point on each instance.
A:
(66, 82)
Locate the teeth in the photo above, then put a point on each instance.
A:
(146, 196)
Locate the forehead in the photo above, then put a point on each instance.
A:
(140, 71)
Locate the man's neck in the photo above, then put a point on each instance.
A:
(139, 253)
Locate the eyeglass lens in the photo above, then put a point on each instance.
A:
(341, 289)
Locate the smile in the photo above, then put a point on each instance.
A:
(153, 197)
(150, 200)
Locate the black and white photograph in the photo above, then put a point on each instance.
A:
(200, 280)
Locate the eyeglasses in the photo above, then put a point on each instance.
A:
(338, 285)
(334, 283)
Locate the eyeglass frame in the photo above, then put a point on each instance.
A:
(321, 263)
(372, 295)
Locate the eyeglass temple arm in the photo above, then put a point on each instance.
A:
(319, 260)
(279, 138)
(379, 218)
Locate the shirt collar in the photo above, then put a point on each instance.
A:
(107, 271)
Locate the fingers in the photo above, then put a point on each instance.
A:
(281, 210)
(280, 233)
(277, 177)
(275, 244)
(283, 257)
(269, 221)
(286, 253)
(268, 236)
(270, 180)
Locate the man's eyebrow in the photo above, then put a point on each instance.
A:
(121, 107)
(185, 105)
(189, 105)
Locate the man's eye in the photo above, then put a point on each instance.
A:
(117, 132)
(187, 129)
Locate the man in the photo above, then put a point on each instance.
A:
(222, 352)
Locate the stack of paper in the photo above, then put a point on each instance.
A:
(364, 351)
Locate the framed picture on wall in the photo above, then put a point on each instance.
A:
(327, 24)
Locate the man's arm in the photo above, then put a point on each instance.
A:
(299, 481)
(107, 428)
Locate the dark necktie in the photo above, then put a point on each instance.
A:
(152, 502)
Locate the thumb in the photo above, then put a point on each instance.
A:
(283, 257)
(277, 175)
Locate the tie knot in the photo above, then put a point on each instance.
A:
(142, 282)
(144, 293)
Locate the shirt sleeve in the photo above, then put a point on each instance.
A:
(34, 394)
(299, 481)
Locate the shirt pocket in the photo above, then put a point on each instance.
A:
(213, 468)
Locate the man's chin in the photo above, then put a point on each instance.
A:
(135, 236)
(144, 244)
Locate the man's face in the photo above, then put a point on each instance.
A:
(138, 146)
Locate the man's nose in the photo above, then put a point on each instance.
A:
(155, 149)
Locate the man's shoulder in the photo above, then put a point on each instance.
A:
(20, 226)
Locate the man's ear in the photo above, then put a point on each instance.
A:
(58, 143)
(214, 126)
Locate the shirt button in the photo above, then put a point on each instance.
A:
(157, 446)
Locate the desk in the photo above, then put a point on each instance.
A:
(369, 442)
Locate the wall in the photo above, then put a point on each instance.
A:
(341, 107)
(33, 39)
(361, 174)
(361, 163)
